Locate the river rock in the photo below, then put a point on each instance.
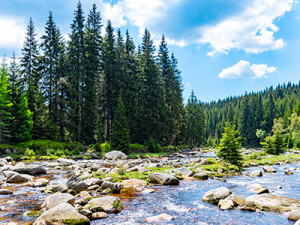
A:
(146, 191)
(135, 183)
(63, 214)
(56, 188)
(115, 155)
(66, 162)
(201, 176)
(294, 215)
(215, 195)
(116, 188)
(3, 162)
(270, 202)
(108, 204)
(40, 182)
(269, 169)
(93, 181)
(164, 179)
(32, 170)
(77, 184)
(256, 173)
(99, 215)
(288, 172)
(57, 199)
(184, 171)
(259, 189)
(162, 218)
(2, 177)
(237, 200)
(14, 177)
(226, 204)
(5, 192)
(297, 223)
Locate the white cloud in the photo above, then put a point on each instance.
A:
(252, 30)
(244, 69)
(114, 13)
(12, 32)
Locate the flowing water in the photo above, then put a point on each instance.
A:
(183, 202)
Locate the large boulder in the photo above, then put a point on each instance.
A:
(62, 214)
(2, 177)
(77, 184)
(32, 170)
(226, 204)
(215, 195)
(116, 188)
(66, 162)
(201, 176)
(52, 188)
(3, 162)
(14, 177)
(115, 155)
(270, 202)
(164, 179)
(57, 199)
(108, 204)
(5, 192)
(237, 200)
(259, 189)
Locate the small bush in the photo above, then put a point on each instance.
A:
(136, 148)
(153, 146)
(105, 147)
(29, 152)
(169, 148)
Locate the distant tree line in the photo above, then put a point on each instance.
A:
(95, 88)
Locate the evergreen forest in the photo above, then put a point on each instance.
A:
(104, 89)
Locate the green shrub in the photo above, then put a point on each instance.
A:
(153, 146)
(273, 144)
(169, 148)
(136, 148)
(105, 147)
(29, 152)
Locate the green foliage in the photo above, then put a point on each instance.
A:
(105, 147)
(153, 146)
(273, 144)
(120, 138)
(229, 145)
(134, 148)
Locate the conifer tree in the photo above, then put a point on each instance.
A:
(229, 145)
(120, 137)
(109, 81)
(76, 53)
(91, 79)
(5, 105)
(21, 122)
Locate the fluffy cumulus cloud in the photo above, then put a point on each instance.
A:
(12, 32)
(244, 69)
(251, 30)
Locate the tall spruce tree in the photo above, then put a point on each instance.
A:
(120, 137)
(5, 105)
(76, 52)
(91, 77)
(21, 122)
(153, 102)
(109, 81)
(31, 80)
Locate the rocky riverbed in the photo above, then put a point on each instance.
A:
(175, 189)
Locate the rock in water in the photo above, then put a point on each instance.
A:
(115, 155)
(270, 202)
(77, 184)
(269, 169)
(201, 176)
(184, 171)
(63, 213)
(116, 188)
(32, 170)
(164, 179)
(256, 173)
(57, 199)
(108, 204)
(14, 177)
(215, 195)
(5, 192)
(237, 200)
(259, 189)
(66, 162)
(226, 204)
(294, 215)
(162, 218)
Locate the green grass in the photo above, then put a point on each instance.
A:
(147, 155)
(267, 160)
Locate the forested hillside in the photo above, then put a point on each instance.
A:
(254, 114)
(96, 88)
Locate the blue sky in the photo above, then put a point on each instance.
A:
(224, 47)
